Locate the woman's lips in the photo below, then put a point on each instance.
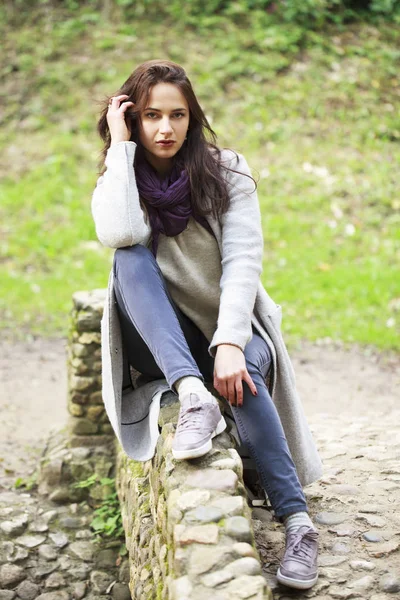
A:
(169, 143)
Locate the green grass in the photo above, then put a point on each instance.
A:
(315, 114)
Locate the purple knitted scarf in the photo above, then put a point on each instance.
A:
(167, 200)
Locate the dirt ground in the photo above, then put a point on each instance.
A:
(33, 382)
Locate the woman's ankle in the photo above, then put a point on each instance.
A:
(193, 385)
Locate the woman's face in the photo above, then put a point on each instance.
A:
(164, 124)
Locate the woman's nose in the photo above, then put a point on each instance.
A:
(165, 126)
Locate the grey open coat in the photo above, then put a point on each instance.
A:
(120, 221)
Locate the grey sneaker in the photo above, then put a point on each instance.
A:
(198, 423)
(298, 568)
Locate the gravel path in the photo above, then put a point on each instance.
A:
(352, 401)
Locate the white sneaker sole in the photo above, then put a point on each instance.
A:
(298, 584)
(196, 452)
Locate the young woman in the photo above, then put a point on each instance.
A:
(185, 297)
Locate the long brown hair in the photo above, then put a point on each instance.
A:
(200, 157)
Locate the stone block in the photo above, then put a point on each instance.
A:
(94, 413)
(224, 480)
(90, 441)
(83, 426)
(82, 384)
(201, 534)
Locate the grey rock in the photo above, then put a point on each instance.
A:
(372, 536)
(390, 583)
(81, 453)
(11, 553)
(244, 566)
(84, 534)
(203, 560)
(202, 534)
(362, 565)
(100, 581)
(47, 552)
(217, 578)
(239, 528)
(9, 499)
(121, 591)
(231, 505)
(60, 495)
(106, 558)
(363, 584)
(7, 595)
(58, 595)
(341, 548)
(15, 526)
(334, 574)
(193, 498)
(60, 539)
(372, 520)
(244, 549)
(83, 550)
(55, 580)
(79, 572)
(6, 550)
(204, 514)
(224, 480)
(330, 518)
(79, 590)
(261, 515)
(343, 530)
(50, 515)
(27, 590)
(71, 522)
(10, 575)
(124, 571)
(30, 541)
(65, 562)
(44, 570)
(38, 526)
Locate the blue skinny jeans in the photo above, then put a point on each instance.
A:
(161, 341)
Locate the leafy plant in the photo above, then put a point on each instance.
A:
(107, 518)
(29, 483)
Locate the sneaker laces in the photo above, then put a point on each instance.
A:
(190, 417)
(300, 543)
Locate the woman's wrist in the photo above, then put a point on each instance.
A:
(230, 344)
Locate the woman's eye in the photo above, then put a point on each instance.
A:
(179, 115)
(151, 115)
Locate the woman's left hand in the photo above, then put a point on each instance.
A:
(229, 372)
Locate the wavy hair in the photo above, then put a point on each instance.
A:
(201, 157)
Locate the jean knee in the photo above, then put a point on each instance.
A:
(258, 356)
(133, 260)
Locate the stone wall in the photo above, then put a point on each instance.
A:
(187, 523)
(88, 424)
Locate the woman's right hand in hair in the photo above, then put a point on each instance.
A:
(117, 108)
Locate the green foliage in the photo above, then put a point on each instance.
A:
(313, 111)
(199, 13)
(107, 519)
(29, 483)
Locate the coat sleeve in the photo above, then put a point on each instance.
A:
(118, 216)
(242, 253)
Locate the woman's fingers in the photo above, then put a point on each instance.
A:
(115, 101)
(126, 105)
(250, 383)
(231, 389)
(239, 392)
(220, 386)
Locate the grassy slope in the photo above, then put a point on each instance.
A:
(320, 126)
